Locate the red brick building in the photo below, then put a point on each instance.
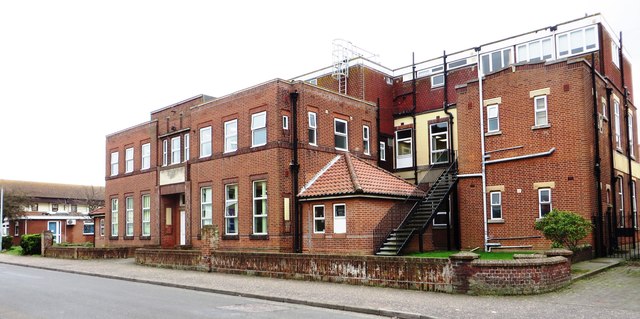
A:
(497, 136)
(62, 209)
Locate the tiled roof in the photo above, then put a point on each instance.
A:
(349, 175)
(52, 190)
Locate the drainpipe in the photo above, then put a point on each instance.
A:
(378, 130)
(482, 151)
(612, 177)
(297, 231)
(597, 168)
(626, 118)
(446, 111)
(413, 116)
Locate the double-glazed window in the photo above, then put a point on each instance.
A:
(259, 129)
(313, 127)
(114, 163)
(340, 133)
(496, 60)
(205, 206)
(577, 41)
(128, 216)
(88, 228)
(128, 157)
(187, 140)
(634, 205)
(318, 219)
(383, 151)
(205, 141)
(541, 116)
(260, 207)
(175, 150)
(496, 205)
(404, 149)
(439, 142)
(631, 134)
(493, 120)
(231, 209)
(544, 201)
(621, 221)
(114, 217)
(535, 51)
(616, 121)
(365, 140)
(615, 54)
(230, 136)
(146, 215)
(146, 156)
(165, 152)
(339, 218)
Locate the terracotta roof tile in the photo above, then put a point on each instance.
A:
(348, 175)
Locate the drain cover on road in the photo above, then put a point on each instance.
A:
(254, 307)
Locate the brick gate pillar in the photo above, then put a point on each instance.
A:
(462, 270)
(210, 243)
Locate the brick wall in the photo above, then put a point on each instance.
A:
(169, 258)
(89, 252)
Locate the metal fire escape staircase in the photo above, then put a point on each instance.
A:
(422, 213)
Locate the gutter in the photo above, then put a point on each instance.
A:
(627, 120)
(414, 147)
(596, 168)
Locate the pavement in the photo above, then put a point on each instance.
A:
(595, 292)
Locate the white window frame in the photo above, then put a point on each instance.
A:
(313, 128)
(175, 150)
(495, 201)
(206, 209)
(102, 227)
(383, 151)
(205, 142)
(228, 204)
(436, 84)
(544, 110)
(114, 217)
(85, 224)
(341, 135)
(262, 199)
(128, 217)
(405, 160)
(524, 51)
(631, 134)
(496, 118)
(128, 160)
(634, 205)
(621, 221)
(572, 36)
(231, 136)
(615, 55)
(165, 152)
(504, 63)
(146, 215)
(541, 202)
(616, 117)
(317, 219)
(187, 145)
(285, 122)
(366, 145)
(145, 160)
(436, 218)
(258, 128)
(114, 163)
(16, 228)
(339, 222)
(434, 152)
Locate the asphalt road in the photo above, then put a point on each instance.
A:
(36, 293)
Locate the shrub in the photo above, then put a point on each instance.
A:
(6, 242)
(564, 228)
(30, 244)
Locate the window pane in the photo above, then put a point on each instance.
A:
(341, 141)
(340, 211)
(506, 56)
(258, 120)
(522, 53)
(485, 64)
(547, 52)
(403, 134)
(495, 198)
(590, 38)
(535, 51)
(544, 196)
(563, 45)
(577, 41)
(496, 61)
(341, 127)
(496, 212)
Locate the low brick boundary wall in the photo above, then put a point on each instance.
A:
(428, 274)
(89, 252)
(171, 258)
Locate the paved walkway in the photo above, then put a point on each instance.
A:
(609, 294)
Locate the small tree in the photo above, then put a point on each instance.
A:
(564, 228)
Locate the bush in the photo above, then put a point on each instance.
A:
(564, 228)
(6, 242)
(30, 244)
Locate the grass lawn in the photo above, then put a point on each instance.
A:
(14, 250)
(483, 254)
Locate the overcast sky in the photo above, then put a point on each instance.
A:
(72, 72)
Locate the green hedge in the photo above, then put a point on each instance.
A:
(30, 244)
(6, 242)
